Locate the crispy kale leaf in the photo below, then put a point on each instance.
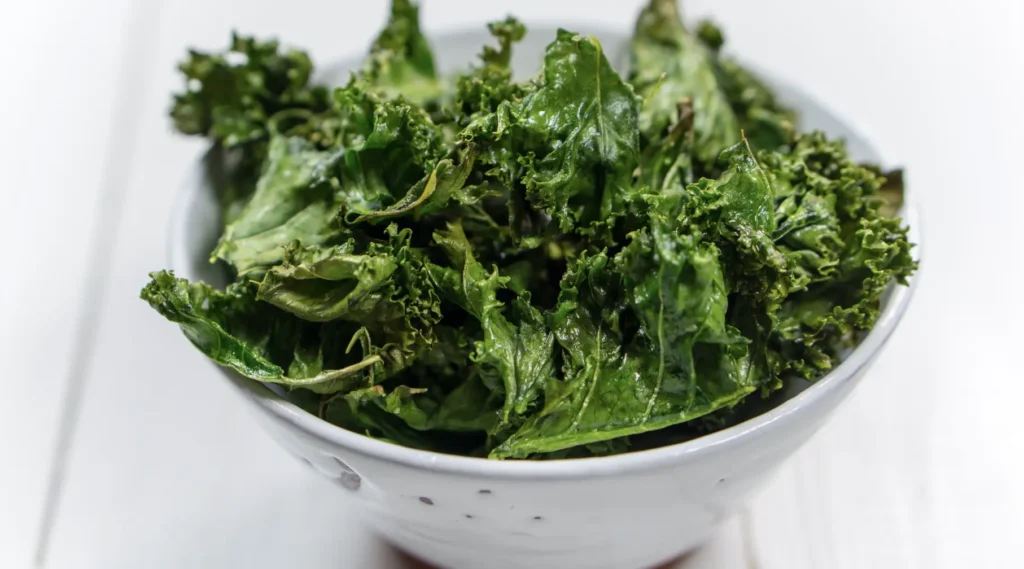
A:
(688, 362)
(384, 290)
(285, 206)
(230, 97)
(401, 63)
(515, 356)
(568, 266)
(256, 340)
(586, 118)
(671, 65)
(843, 250)
(480, 91)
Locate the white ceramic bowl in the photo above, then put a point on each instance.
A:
(628, 511)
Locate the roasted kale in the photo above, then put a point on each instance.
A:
(539, 269)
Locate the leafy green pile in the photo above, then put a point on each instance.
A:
(537, 269)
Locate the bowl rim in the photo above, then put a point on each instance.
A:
(562, 469)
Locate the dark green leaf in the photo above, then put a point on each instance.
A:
(236, 332)
(671, 65)
(516, 357)
(385, 290)
(586, 117)
(286, 206)
(231, 96)
(689, 362)
(401, 62)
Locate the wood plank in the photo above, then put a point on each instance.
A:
(61, 66)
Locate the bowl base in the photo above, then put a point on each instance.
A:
(409, 561)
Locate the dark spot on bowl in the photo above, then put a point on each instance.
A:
(469, 516)
(538, 517)
(484, 492)
(426, 500)
(350, 481)
(348, 477)
(721, 480)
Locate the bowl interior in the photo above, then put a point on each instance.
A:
(196, 222)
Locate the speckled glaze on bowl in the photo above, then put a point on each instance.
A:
(629, 511)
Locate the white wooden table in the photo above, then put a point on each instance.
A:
(121, 449)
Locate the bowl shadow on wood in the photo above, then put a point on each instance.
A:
(408, 561)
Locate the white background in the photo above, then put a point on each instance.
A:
(922, 468)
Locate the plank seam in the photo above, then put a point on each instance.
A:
(142, 27)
